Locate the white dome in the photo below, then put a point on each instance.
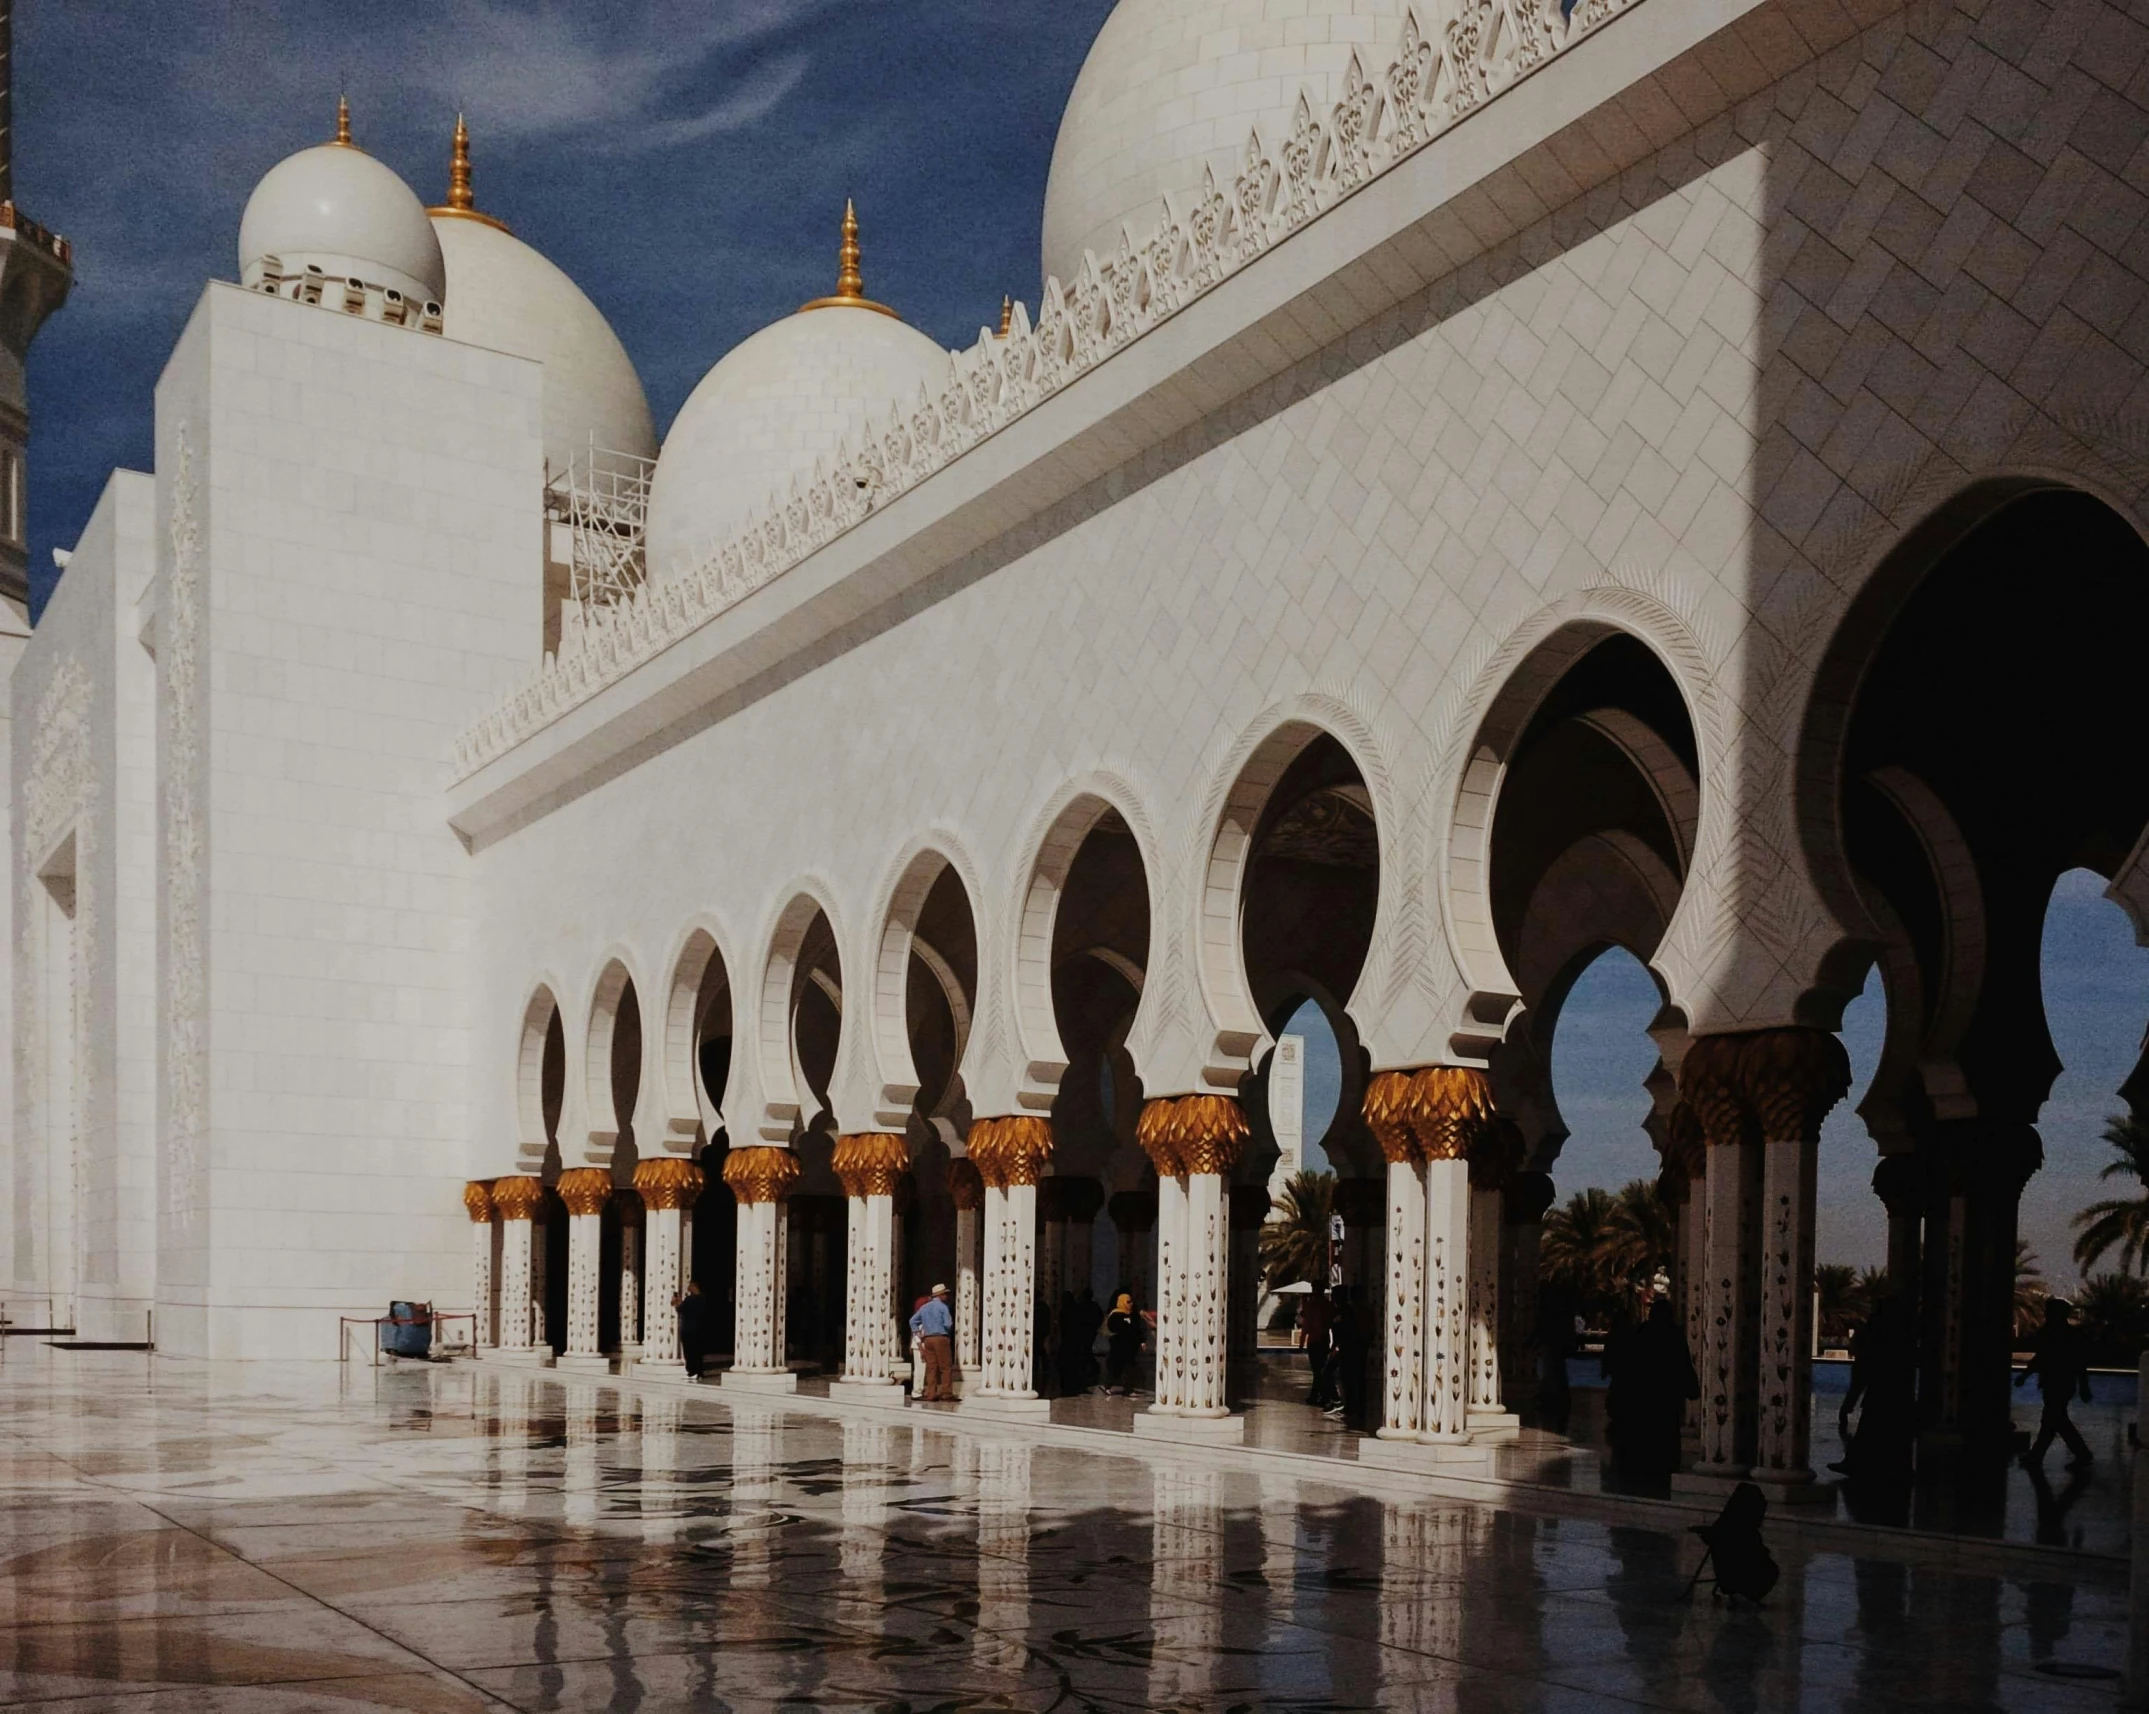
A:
(775, 403)
(337, 207)
(504, 295)
(1172, 84)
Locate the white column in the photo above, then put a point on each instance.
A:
(759, 1344)
(515, 1283)
(630, 1291)
(869, 1257)
(585, 1240)
(1019, 1298)
(967, 1308)
(1784, 1442)
(484, 1327)
(1171, 1297)
(1724, 1310)
(1486, 1411)
(1447, 1301)
(540, 1259)
(1403, 1410)
(1207, 1274)
(661, 1282)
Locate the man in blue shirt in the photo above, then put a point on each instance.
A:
(933, 1326)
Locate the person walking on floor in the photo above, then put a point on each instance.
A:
(1123, 1344)
(2061, 1370)
(1314, 1323)
(933, 1326)
(693, 1311)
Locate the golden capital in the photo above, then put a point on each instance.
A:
(518, 1198)
(585, 1189)
(1390, 1114)
(1212, 1132)
(1453, 1105)
(1012, 1150)
(668, 1182)
(1156, 1129)
(477, 1198)
(966, 1186)
(763, 1174)
(868, 1163)
(1774, 1085)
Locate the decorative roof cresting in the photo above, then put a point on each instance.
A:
(1474, 50)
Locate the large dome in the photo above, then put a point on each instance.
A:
(337, 207)
(776, 402)
(504, 295)
(1172, 84)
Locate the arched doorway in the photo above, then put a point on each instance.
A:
(804, 992)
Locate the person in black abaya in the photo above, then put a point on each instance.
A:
(1652, 1379)
(1879, 1455)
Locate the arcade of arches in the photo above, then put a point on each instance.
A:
(1943, 786)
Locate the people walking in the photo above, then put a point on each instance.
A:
(933, 1326)
(693, 1311)
(1879, 1455)
(2062, 1371)
(1123, 1345)
(1652, 1378)
(1314, 1323)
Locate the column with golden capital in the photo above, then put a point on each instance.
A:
(761, 1178)
(627, 1204)
(484, 1292)
(585, 1190)
(517, 1200)
(1390, 1109)
(668, 1188)
(1194, 1141)
(1760, 1097)
(966, 1189)
(1010, 1154)
(868, 1165)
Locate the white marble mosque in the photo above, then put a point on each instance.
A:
(1484, 480)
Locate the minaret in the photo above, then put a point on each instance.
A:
(36, 269)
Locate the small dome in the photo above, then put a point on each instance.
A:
(774, 404)
(337, 207)
(1170, 85)
(506, 296)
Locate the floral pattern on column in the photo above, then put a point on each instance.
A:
(1388, 1104)
(585, 1190)
(1010, 1154)
(967, 1191)
(667, 1186)
(629, 1205)
(868, 1165)
(1194, 1142)
(517, 1200)
(1449, 1110)
(477, 1202)
(761, 1178)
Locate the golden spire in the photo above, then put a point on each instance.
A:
(850, 292)
(462, 202)
(1007, 314)
(343, 122)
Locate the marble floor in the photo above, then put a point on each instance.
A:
(178, 1535)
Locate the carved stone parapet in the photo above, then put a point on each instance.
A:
(477, 1200)
(1134, 1210)
(585, 1189)
(966, 1185)
(1363, 1202)
(1193, 1134)
(755, 1175)
(668, 1182)
(1012, 1150)
(868, 1163)
(519, 1197)
(1769, 1085)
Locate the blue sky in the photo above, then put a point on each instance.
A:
(687, 162)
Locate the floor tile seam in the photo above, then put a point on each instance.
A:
(104, 1698)
(327, 1606)
(1961, 1553)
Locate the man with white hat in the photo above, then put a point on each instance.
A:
(933, 1326)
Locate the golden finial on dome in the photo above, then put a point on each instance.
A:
(1007, 314)
(343, 122)
(850, 292)
(462, 201)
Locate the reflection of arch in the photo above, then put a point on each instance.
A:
(700, 985)
(1068, 824)
(1511, 721)
(608, 1116)
(532, 1136)
(782, 1080)
(900, 942)
(1240, 1029)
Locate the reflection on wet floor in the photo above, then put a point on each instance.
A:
(272, 1538)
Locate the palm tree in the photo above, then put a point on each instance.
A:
(2030, 1290)
(2119, 1221)
(1294, 1245)
(1873, 1285)
(1575, 1247)
(1638, 1235)
(2113, 1313)
(1842, 1301)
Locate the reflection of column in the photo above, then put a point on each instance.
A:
(1760, 1098)
(1134, 1217)
(629, 1205)
(661, 1510)
(861, 1606)
(761, 1178)
(1003, 1554)
(1494, 1156)
(756, 1487)
(584, 1190)
(511, 1430)
(579, 1477)
(1193, 1142)
(967, 1191)
(1280, 1499)
(1185, 1617)
(867, 1164)
(517, 1200)
(1249, 1213)
(477, 1199)
(1426, 1552)
(668, 1188)
(1009, 1154)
